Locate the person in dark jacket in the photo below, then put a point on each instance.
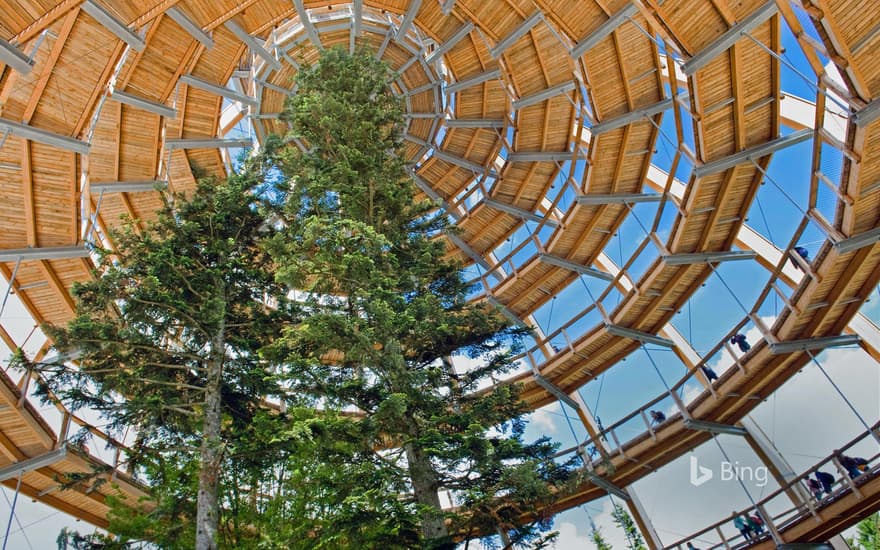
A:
(826, 479)
(710, 374)
(740, 340)
(854, 466)
(658, 417)
(803, 253)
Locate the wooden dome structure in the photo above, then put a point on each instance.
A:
(535, 124)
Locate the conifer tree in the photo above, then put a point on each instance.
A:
(622, 519)
(599, 539)
(386, 313)
(167, 338)
(867, 535)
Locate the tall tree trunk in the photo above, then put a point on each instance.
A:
(212, 451)
(425, 489)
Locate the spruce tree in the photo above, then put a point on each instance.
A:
(599, 539)
(622, 519)
(867, 535)
(386, 313)
(167, 338)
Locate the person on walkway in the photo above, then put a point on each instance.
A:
(854, 466)
(740, 523)
(658, 417)
(826, 479)
(710, 374)
(691, 546)
(803, 253)
(740, 340)
(814, 488)
(757, 524)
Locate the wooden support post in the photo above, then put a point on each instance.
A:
(771, 527)
(844, 473)
(722, 537)
(66, 419)
(648, 424)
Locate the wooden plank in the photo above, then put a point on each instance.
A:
(49, 66)
(30, 209)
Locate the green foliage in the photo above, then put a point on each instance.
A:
(386, 311)
(599, 539)
(71, 540)
(867, 535)
(172, 304)
(375, 421)
(622, 519)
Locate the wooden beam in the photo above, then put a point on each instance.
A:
(49, 66)
(57, 285)
(30, 208)
(45, 21)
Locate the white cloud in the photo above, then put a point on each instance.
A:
(546, 419)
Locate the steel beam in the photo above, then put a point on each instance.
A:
(474, 123)
(592, 199)
(43, 136)
(434, 196)
(446, 6)
(644, 337)
(357, 16)
(543, 95)
(867, 114)
(479, 78)
(144, 104)
(31, 464)
(516, 34)
(519, 212)
(423, 88)
(114, 25)
(713, 427)
(48, 253)
(461, 162)
(753, 153)
(276, 88)
(216, 89)
(253, 44)
(604, 30)
(423, 115)
(607, 486)
(285, 56)
(551, 259)
(729, 38)
(792, 346)
(96, 188)
(456, 37)
(190, 26)
(630, 117)
(856, 242)
(709, 257)
(506, 311)
(408, 19)
(11, 56)
(540, 156)
(467, 249)
(553, 389)
(307, 24)
(206, 143)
